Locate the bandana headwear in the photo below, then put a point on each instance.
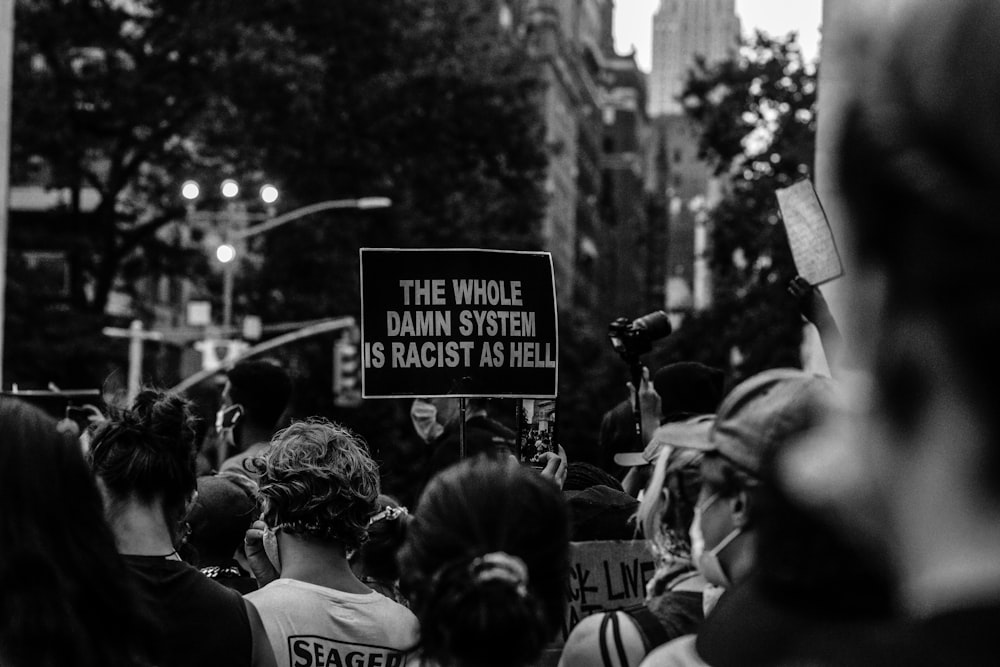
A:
(388, 514)
(501, 566)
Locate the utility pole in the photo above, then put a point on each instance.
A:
(6, 79)
(137, 336)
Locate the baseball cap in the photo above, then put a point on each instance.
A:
(689, 434)
(764, 412)
(688, 389)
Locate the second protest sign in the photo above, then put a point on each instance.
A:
(458, 323)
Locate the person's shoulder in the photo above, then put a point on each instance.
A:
(681, 652)
(611, 629)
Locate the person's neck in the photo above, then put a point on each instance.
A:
(141, 530)
(320, 563)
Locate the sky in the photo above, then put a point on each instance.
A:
(634, 23)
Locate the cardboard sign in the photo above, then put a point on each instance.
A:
(606, 575)
(458, 323)
(809, 235)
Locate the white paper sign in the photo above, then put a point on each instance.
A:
(809, 235)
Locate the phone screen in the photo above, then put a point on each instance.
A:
(538, 429)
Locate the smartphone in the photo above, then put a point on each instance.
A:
(537, 433)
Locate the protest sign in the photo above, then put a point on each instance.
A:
(458, 323)
(606, 575)
(809, 235)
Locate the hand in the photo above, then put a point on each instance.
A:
(556, 466)
(649, 404)
(253, 544)
(649, 400)
(810, 300)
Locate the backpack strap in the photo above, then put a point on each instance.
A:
(611, 618)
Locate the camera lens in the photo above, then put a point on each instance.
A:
(656, 325)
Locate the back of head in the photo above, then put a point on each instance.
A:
(263, 388)
(687, 389)
(667, 506)
(485, 564)
(147, 453)
(66, 597)
(919, 160)
(386, 531)
(318, 481)
(222, 513)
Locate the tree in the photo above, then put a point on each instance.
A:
(757, 114)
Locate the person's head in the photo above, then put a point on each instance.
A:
(761, 415)
(581, 475)
(256, 394)
(667, 506)
(386, 529)
(318, 483)
(918, 162)
(485, 563)
(222, 512)
(687, 389)
(145, 457)
(66, 597)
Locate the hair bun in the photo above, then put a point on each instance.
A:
(501, 566)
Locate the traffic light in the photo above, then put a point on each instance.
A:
(215, 353)
(346, 373)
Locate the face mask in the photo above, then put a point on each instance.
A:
(271, 548)
(707, 562)
(424, 418)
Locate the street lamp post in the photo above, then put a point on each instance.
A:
(227, 252)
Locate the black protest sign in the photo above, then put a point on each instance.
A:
(458, 323)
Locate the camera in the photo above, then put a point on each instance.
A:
(632, 338)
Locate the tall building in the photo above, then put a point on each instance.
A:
(682, 31)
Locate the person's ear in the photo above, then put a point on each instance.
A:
(739, 508)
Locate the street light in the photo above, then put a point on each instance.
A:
(269, 194)
(190, 190)
(225, 253)
(230, 188)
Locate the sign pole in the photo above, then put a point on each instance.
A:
(461, 428)
(519, 427)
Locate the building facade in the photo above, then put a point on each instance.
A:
(682, 31)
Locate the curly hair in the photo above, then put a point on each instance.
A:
(318, 480)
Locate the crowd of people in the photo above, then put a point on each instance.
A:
(795, 519)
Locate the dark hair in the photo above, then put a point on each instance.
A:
(148, 452)
(66, 595)
(919, 159)
(582, 475)
(377, 555)
(318, 480)
(477, 508)
(263, 388)
(219, 519)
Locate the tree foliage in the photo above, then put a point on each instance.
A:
(757, 114)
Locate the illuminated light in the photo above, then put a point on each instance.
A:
(190, 190)
(225, 253)
(230, 188)
(269, 194)
(374, 202)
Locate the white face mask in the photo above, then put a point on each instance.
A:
(424, 417)
(707, 562)
(271, 548)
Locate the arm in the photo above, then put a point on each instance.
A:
(649, 404)
(816, 311)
